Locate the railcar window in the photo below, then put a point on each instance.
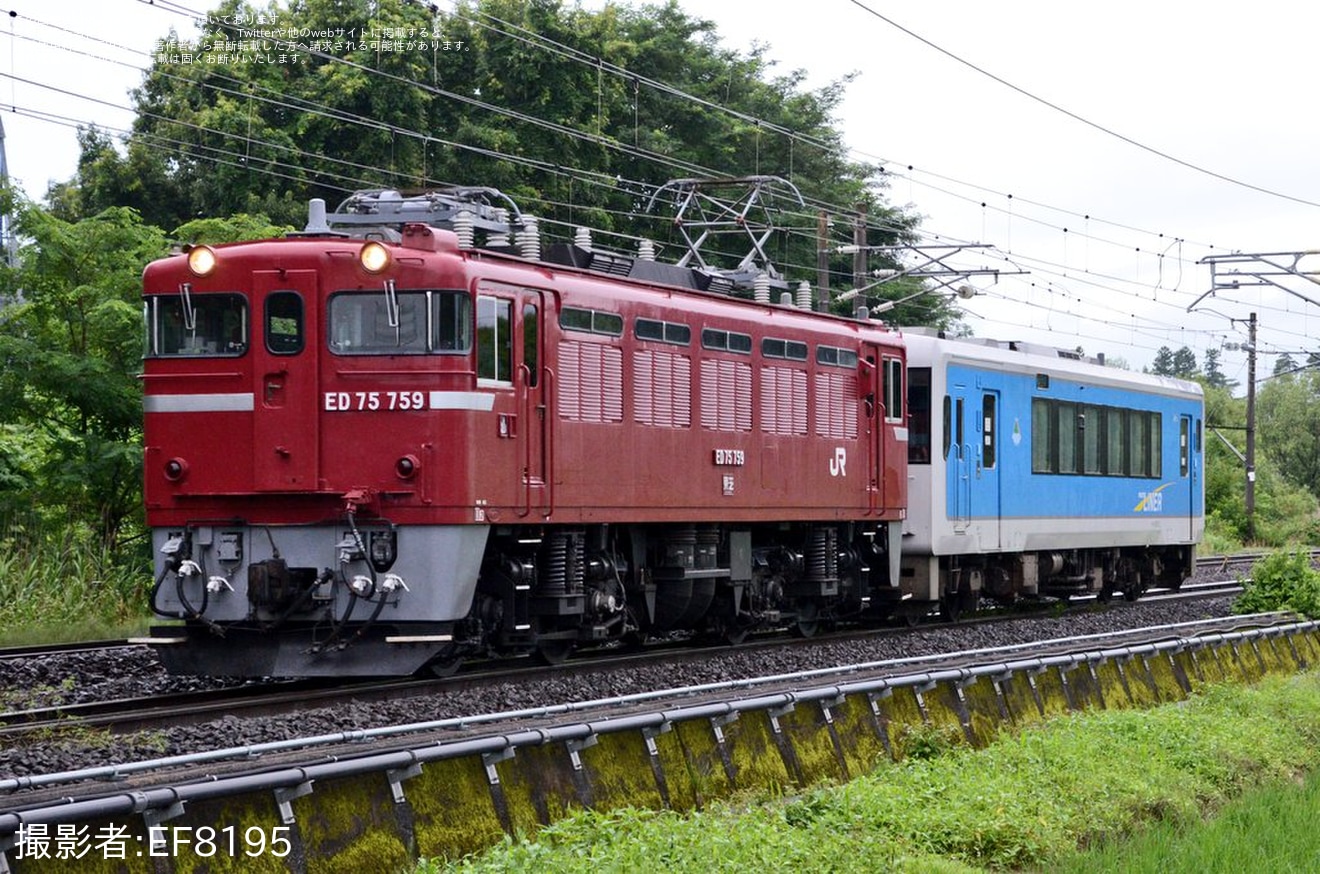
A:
(1156, 432)
(835, 356)
(284, 323)
(1139, 453)
(1116, 448)
(663, 332)
(789, 349)
(531, 342)
(1069, 438)
(958, 427)
(948, 424)
(988, 431)
(407, 323)
(203, 325)
(1042, 436)
(918, 400)
(494, 339)
(893, 390)
(1184, 446)
(1092, 426)
(591, 321)
(726, 341)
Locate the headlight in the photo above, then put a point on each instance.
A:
(374, 257)
(202, 260)
(176, 469)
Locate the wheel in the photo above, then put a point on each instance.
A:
(808, 619)
(553, 652)
(445, 665)
(734, 635)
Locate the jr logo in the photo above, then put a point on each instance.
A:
(839, 462)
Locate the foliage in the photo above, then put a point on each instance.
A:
(233, 229)
(579, 115)
(70, 339)
(1024, 802)
(1181, 364)
(1288, 425)
(1285, 511)
(1281, 581)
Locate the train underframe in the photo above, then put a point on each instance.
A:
(958, 583)
(361, 607)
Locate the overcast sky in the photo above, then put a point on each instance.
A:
(1156, 133)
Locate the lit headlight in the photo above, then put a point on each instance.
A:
(202, 260)
(374, 257)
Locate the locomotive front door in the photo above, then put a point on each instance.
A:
(285, 424)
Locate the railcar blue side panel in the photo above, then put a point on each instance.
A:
(992, 446)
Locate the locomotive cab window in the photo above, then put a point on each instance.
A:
(400, 322)
(284, 323)
(196, 325)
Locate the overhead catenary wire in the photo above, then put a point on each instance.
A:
(925, 234)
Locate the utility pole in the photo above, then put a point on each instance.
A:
(822, 262)
(1251, 428)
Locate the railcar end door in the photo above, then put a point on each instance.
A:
(1187, 469)
(285, 425)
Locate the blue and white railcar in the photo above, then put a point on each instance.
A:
(1033, 471)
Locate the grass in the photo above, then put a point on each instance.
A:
(1271, 830)
(67, 587)
(1027, 802)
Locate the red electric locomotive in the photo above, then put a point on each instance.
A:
(380, 447)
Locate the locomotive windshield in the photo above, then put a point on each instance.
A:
(197, 325)
(409, 323)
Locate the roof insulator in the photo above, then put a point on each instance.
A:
(529, 239)
(464, 228)
(804, 295)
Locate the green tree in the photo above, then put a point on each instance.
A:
(1184, 363)
(1288, 425)
(1163, 363)
(1214, 376)
(577, 114)
(70, 339)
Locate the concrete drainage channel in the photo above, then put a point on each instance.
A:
(380, 811)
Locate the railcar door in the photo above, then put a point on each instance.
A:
(533, 373)
(986, 503)
(285, 351)
(959, 465)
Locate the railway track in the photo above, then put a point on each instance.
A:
(217, 761)
(255, 699)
